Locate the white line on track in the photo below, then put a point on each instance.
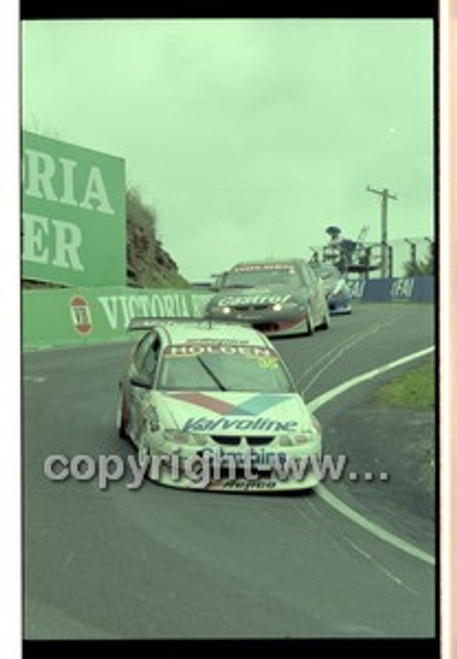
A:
(340, 350)
(339, 505)
(382, 568)
(371, 527)
(369, 375)
(337, 351)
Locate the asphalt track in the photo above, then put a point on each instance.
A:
(162, 563)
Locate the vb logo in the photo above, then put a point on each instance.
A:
(80, 315)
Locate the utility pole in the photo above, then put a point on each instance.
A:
(390, 251)
(385, 196)
(413, 256)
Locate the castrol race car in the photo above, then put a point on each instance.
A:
(279, 298)
(211, 405)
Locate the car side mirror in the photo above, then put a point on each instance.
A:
(141, 381)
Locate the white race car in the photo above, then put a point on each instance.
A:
(211, 405)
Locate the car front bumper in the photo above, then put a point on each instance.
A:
(206, 471)
(269, 322)
(339, 307)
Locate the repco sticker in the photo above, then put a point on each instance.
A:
(80, 315)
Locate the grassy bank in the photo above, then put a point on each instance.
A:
(414, 390)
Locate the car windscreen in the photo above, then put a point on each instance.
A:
(327, 272)
(250, 276)
(223, 368)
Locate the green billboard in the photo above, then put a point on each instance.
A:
(73, 214)
(80, 316)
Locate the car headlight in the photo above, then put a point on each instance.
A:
(286, 306)
(180, 437)
(304, 437)
(298, 439)
(216, 309)
(310, 435)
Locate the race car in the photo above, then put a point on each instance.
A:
(337, 291)
(212, 406)
(278, 298)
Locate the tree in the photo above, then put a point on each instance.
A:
(421, 267)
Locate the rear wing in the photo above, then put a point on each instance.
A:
(149, 322)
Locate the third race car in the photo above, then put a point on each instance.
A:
(337, 291)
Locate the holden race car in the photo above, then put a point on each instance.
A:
(212, 406)
(281, 297)
(337, 291)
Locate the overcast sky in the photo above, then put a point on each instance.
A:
(249, 137)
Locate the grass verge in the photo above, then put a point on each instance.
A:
(414, 390)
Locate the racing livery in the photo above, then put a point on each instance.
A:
(337, 291)
(281, 297)
(217, 393)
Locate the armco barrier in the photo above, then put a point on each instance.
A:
(396, 289)
(81, 316)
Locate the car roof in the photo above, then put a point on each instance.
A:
(210, 332)
(282, 261)
(324, 265)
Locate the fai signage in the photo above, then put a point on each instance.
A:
(73, 214)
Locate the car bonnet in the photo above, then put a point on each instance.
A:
(256, 295)
(233, 412)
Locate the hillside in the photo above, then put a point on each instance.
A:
(149, 265)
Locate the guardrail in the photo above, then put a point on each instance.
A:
(395, 289)
(81, 316)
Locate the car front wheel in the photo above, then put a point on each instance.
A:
(326, 321)
(122, 415)
(310, 323)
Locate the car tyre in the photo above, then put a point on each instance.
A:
(310, 323)
(143, 452)
(326, 322)
(121, 414)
